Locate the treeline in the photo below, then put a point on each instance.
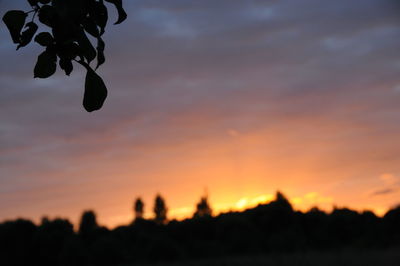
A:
(267, 228)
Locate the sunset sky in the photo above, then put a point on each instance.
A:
(237, 97)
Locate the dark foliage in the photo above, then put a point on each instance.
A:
(160, 210)
(138, 208)
(88, 223)
(70, 21)
(203, 208)
(266, 229)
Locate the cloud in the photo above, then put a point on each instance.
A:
(309, 83)
(384, 191)
(391, 185)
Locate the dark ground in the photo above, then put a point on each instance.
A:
(270, 234)
(389, 257)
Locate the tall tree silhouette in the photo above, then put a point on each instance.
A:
(160, 210)
(138, 208)
(203, 208)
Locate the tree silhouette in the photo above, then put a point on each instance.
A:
(265, 230)
(160, 210)
(70, 22)
(50, 239)
(138, 208)
(88, 223)
(282, 202)
(203, 208)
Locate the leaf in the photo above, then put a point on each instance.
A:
(44, 39)
(71, 10)
(46, 64)
(48, 15)
(98, 11)
(65, 31)
(66, 65)
(15, 21)
(100, 52)
(68, 50)
(95, 90)
(86, 47)
(90, 27)
(33, 3)
(27, 35)
(121, 12)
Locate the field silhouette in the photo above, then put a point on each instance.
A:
(269, 234)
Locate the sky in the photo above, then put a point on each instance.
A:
(233, 98)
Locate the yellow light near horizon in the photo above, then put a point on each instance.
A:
(242, 203)
(245, 203)
(227, 203)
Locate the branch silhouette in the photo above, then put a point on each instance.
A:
(70, 22)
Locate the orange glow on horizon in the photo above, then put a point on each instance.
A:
(300, 203)
(241, 167)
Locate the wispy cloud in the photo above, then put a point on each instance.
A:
(384, 191)
(391, 184)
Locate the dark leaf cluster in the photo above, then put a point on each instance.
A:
(71, 22)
